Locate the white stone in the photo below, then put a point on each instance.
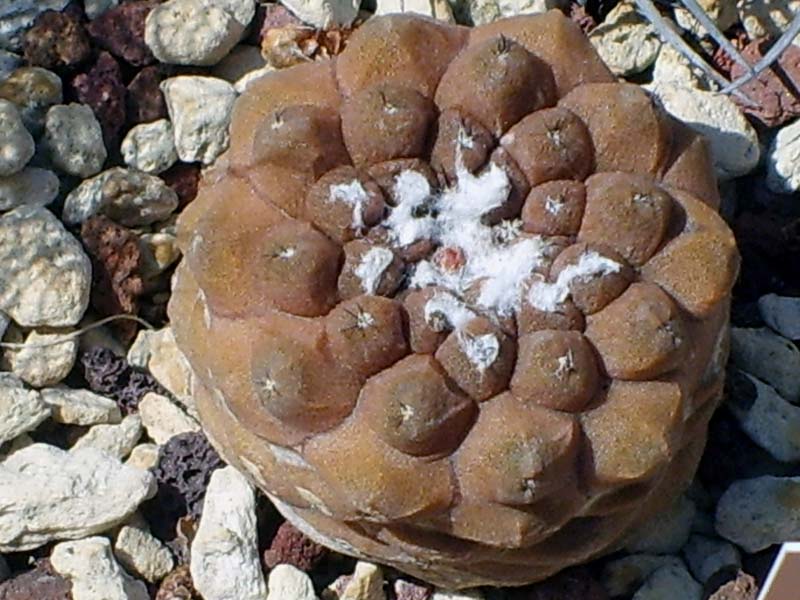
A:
(623, 576)
(708, 556)
(665, 532)
(74, 140)
(768, 356)
(226, 541)
(49, 494)
(769, 420)
(126, 196)
(21, 409)
(116, 440)
(80, 407)
(200, 110)
(437, 9)
(488, 11)
(95, 8)
(143, 456)
(150, 147)
(90, 566)
(757, 513)
(672, 67)
(45, 358)
(191, 32)
(290, 583)
(16, 16)
(324, 14)
(669, 583)
(440, 594)
(30, 187)
(156, 351)
(16, 144)
(159, 252)
(721, 12)
(163, 419)
(366, 583)
(625, 40)
(767, 18)
(45, 276)
(734, 143)
(241, 10)
(248, 78)
(142, 554)
(781, 313)
(783, 160)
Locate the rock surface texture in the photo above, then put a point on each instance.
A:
(450, 307)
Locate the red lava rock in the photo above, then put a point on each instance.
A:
(177, 586)
(183, 179)
(120, 30)
(57, 39)
(101, 88)
(292, 547)
(776, 91)
(145, 102)
(116, 262)
(744, 587)
(572, 584)
(406, 590)
(40, 583)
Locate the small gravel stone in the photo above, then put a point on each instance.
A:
(666, 532)
(177, 586)
(626, 41)
(436, 9)
(288, 582)
(163, 419)
(783, 160)
(145, 102)
(8, 62)
(45, 276)
(50, 494)
(756, 513)
(74, 139)
(734, 143)
(768, 356)
(143, 456)
(102, 88)
(39, 583)
(57, 39)
(33, 90)
(291, 546)
(156, 351)
(744, 587)
(45, 359)
(226, 541)
(200, 110)
(708, 556)
(325, 14)
(95, 8)
(21, 409)
(16, 16)
(623, 576)
(116, 440)
(16, 144)
(30, 187)
(89, 564)
(487, 11)
(80, 407)
(120, 30)
(150, 147)
(126, 196)
(668, 583)
(672, 67)
(159, 252)
(142, 554)
(782, 314)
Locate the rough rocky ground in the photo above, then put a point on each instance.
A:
(108, 489)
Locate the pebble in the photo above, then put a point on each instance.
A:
(16, 144)
(142, 554)
(50, 494)
(783, 160)
(144, 100)
(781, 313)
(668, 583)
(757, 513)
(143, 456)
(8, 62)
(41, 362)
(157, 352)
(33, 90)
(623, 576)
(734, 143)
(436, 9)
(74, 139)
(191, 32)
(226, 541)
(768, 356)
(487, 11)
(95, 8)
(90, 566)
(290, 583)
(80, 407)
(21, 410)
(57, 40)
(366, 583)
(117, 439)
(163, 419)
(200, 109)
(769, 420)
(708, 556)
(666, 532)
(120, 30)
(460, 595)
(159, 252)
(102, 89)
(626, 41)
(16, 16)
(45, 276)
(126, 196)
(150, 147)
(30, 187)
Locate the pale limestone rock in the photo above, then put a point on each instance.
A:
(324, 14)
(143, 554)
(116, 440)
(290, 583)
(16, 143)
(163, 419)
(157, 352)
(150, 147)
(45, 358)
(143, 456)
(625, 40)
(21, 409)
(783, 160)
(436, 9)
(80, 407)
(488, 11)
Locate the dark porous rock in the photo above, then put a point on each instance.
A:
(145, 101)
(120, 30)
(102, 89)
(292, 547)
(116, 269)
(57, 39)
(177, 586)
(572, 584)
(110, 375)
(40, 583)
(183, 179)
(743, 587)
